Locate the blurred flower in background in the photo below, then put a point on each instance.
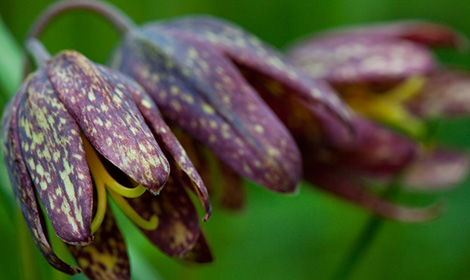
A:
(387, 73)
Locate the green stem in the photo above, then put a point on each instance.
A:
(116, 17)
(367, 235)
(28, 261)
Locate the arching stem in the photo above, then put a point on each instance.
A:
(37, 50)
(117, 18)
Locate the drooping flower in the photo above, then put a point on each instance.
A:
(193, 68)
(388, 74)
(332, 159)
(77, 131)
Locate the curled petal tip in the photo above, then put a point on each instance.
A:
(416, 215)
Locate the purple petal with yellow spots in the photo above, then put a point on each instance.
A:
(178, 224)
(446, 93)
(437, 169)
(201, 252)
(53, 151)
(108, 118)
(374, 149)
(352, 59)
(426, 33)
(23, 188)
(349, 187)
(201, 91)
(258, 58)
(162, 132)
(106, 258)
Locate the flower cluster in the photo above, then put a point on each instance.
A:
(77, 132)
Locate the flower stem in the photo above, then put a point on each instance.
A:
(367, 235)
(116, 17)
(37, 50)
(28, 260)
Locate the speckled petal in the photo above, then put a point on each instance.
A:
(437, 169)
(178, 226)
(426, 33)
(108, 118)
(23, 188)
(201, 91)
(201, 252)
(358, 59)
(375, 148)
(446, 93)
(106, 258)
(162, 132)
(53, 151)
(350, 188)
(258, 58)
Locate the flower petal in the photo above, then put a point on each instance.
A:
(374, 149)
(351, 59)
(201, 252)
(178, 226)
(108, 118)
(53, 151)
(446, 93)
(423, 32)
(348, 187)
(257, 58)
(177, 155)
(437, 169)
(202, 92)
(106, 258)
(23, 188)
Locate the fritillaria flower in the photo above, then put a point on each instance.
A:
(332, 159)
(388, 74)
(77, 131)
(194, 69)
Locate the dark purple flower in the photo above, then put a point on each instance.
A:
(77, 131)
(389, 74)
(195, 69)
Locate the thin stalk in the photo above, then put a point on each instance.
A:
(116, 17)
(37, 50)
(367, 235)
(28, 262)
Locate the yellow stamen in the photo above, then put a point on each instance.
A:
(388, 107)
(133, 215)
(101, 208)
(105, 181)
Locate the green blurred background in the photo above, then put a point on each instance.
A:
(275, 237)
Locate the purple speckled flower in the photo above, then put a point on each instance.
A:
(389, 74)
(197, 70)
(77, 132)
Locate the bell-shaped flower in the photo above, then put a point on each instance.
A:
(195, 69)
(77, 132)
(388, 74)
